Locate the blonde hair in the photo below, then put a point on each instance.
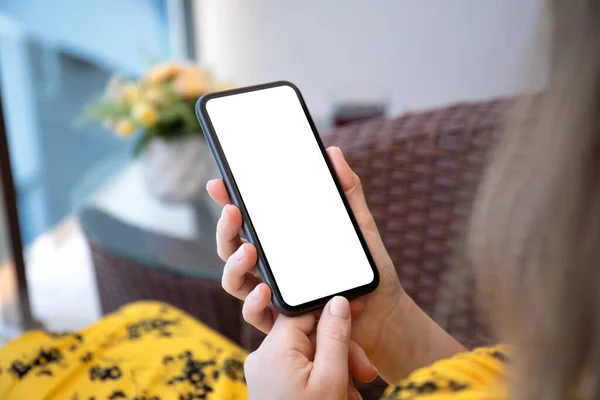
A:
(535, 231)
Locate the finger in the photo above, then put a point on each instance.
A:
(228, 231)
(333, 340)
(352, 187)
(348, 178)
(357, 306)
(237, 279)
(353, 393)
(304, 324)
(359, 365)
(291, 337)
(257, 310)
(217, 191)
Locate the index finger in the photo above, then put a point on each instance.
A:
(216, 189)
(304, 323)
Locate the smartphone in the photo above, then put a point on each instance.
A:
(275, 168)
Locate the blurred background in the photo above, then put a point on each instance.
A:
(97, 226)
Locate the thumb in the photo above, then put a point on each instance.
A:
(330, 366)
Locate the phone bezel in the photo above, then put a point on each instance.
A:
(248, 228)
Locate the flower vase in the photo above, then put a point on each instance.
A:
(176, 170)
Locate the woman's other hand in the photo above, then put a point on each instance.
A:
(295, 363)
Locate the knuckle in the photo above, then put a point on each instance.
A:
(357, 181)
(249, 315)
(224, 228)
(222, 251)
(356, 188)
(225, 283)
(220, 226)
(230, 261)
(339, 333)
(222, 254)
(367, 221)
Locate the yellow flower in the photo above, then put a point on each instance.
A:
(154, 95)
(131, 92)
(163, 72)
(192, 83)
(124, 128)
(145, 114)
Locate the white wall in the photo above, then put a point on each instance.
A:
(425, 52)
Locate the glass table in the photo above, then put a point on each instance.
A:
(143, 249)
(125, 219)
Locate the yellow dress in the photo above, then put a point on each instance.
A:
(475, 375)
(152, 351)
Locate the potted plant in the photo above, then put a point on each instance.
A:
(158, 110)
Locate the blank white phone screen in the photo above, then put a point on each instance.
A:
(298, 215)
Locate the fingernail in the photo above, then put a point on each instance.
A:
(239, 254)
(339, 307)
(256, 292)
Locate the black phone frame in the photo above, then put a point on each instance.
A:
(248, 228)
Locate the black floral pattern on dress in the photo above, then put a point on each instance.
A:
(456, 387)
(194, 377)
(189, 374)
(65, 334)
(102, 374)
(410, 390)
(160, 326)
(86, 358)
(234, 369)
(120, 395)
(75, 342)
(192, 372)
(414, 389)
(40, 364)
(500, 356)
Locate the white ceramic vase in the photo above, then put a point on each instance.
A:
(176, 170)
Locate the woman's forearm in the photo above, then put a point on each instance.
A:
(411, 340)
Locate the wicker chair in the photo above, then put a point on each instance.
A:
(420, 173)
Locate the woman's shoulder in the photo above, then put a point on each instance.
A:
(473, 375)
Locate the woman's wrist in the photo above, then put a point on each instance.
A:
(409, 340)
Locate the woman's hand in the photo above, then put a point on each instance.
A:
(240, 278)
(293, 363)
(394, 347)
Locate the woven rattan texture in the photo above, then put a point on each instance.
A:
(420, 173)
(121, 281)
